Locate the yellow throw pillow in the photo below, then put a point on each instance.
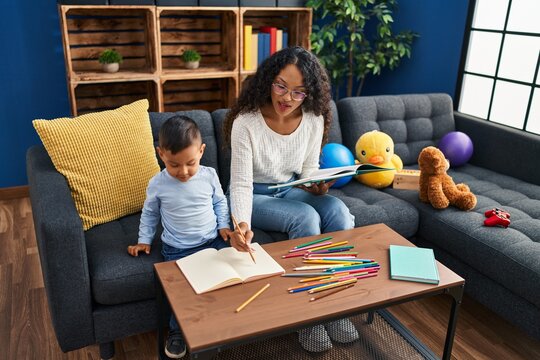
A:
(107, 158)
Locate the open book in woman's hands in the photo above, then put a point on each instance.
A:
(332, 173)
(212, 269)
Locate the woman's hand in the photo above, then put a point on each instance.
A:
(134, 250)
(238, 235)
(320, 188)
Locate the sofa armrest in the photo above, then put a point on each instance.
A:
(62, 251)
(501, 148)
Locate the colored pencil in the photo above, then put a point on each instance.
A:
(318, 267)
(306, 274)
(326, 251)
(331, 286)
(313, 242)
(304, 287)
(307, 248)
(329, 246)
(293, 255)
(316, 278)
(237, 227)
(321, 261)
(252, 298)
(331, 292)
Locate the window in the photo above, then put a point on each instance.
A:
(500, 78)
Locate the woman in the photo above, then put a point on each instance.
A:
(276, 131)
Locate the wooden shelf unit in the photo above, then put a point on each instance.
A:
(151, 40)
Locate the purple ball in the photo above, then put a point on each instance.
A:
(457, 147)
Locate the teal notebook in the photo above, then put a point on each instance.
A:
(413, 264)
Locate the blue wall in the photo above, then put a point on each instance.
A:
(434, 63)
(33, 80)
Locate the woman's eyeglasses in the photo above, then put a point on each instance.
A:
(282, 90)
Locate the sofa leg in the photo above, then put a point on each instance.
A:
(106, 350)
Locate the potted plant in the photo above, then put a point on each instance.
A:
(110, 60)
(191, 59)
(355, 40)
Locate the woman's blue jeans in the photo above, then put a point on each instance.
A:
(297, 212)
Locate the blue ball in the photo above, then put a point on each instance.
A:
(335, 155)
(457, 147)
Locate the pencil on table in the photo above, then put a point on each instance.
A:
(252, 298)
(236, 226)
(331, 292)
(334, 285)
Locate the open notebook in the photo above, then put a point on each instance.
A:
(212, 269)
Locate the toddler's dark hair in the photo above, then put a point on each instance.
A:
(256, 93)
(177, 133)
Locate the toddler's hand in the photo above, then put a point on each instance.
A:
(225, 233)
(134, 250)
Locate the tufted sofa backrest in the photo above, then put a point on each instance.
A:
(412, 121)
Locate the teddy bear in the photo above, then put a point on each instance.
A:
(437, 187)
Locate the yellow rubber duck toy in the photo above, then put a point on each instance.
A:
(377, 148)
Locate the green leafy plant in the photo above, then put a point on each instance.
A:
(356, 40)
(190, 56)
(110, 56)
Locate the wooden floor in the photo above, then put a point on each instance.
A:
(26, 331)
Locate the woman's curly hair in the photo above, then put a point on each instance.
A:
(256, 93)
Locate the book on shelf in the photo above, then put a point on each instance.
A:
(254, 51)
(411, 263)
(330, 174)
(279, 39)
(212, 269)
(248, 58)
(272, 30)
(263, 48)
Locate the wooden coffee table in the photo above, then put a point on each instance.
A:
(210, 324)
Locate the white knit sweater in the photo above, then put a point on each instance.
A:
(260, 155)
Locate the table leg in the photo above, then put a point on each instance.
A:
(160, 324)
(457, 294)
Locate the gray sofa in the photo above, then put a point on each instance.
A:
(97, 293)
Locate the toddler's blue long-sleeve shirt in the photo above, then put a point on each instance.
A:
(191, 212)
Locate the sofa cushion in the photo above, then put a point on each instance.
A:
(371, 206)
(509, 256)
(117, 277)
(412, 121)
(107, 158)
